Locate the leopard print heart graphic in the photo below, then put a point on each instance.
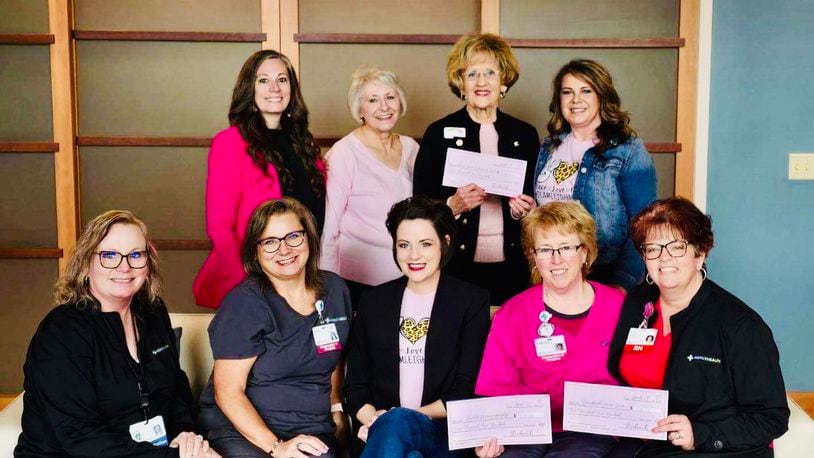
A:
(413, 331)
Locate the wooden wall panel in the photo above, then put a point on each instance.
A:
(24, 16)
(163, 186)
(25, 83)
(420, 68)
(179, 269)
(175, 15)
(149, 88)
(22, 310)
(389, 16)
(27, 201)
(588, 18)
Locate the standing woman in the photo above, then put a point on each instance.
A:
(713, 353)
(277, 343)
(417, 340)
(592, 155)
(267, 153)
(480, 70)
(369, 170)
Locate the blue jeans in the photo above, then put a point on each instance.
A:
(566, 444)
(406, 433)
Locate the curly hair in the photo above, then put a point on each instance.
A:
(615, 128)
(73, 287)
(468, 46)
(244, 114)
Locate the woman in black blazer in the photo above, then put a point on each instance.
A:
(480, 70)
(417, 341)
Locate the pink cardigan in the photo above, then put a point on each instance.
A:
(235, 186)
(511, 365)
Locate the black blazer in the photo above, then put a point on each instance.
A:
(516, 139)
(459, 324)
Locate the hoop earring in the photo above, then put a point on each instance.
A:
(648, 279)
(703, 273)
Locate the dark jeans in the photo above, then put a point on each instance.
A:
(566, 444)
(230, 443)
(406, 433)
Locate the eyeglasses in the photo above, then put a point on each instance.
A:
(565, 252)
(113, 259)
(474, 75)
(676, 248)
(272, 244)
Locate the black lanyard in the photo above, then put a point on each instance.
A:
(138, 369)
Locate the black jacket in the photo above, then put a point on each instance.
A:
(723, 371)
(81, 395)
(516, 139)
(459, 324)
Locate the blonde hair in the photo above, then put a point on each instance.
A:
(468, 46)
(566, 218)
(73, 285)
(365, 74)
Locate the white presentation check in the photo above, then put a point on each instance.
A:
(613, 410)
(513, 420)
(503, 176)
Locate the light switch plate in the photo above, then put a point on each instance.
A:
(801, 166)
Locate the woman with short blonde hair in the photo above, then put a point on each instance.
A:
(369, 170)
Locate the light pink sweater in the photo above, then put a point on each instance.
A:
(511, 365)
(360, 192)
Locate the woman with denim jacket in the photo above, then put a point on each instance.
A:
(593, 156)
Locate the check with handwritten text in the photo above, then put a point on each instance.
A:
(502, 176)
(513, 420)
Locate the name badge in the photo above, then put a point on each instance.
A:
(640, 340)
(452, 132)
(550, 348)
(152, 431)
(326, 338)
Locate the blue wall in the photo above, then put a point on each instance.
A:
(762, 108)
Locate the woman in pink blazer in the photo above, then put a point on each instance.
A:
(267, 153)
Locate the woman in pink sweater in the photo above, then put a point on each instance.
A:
(555, 331)
(369, 170)
(267, 153)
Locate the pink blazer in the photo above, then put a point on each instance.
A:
(235, 186)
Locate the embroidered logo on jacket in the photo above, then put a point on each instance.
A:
(708, 359)
(160, 349)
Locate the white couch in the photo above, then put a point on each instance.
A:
(196, 360)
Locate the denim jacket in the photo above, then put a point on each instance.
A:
(613, 187)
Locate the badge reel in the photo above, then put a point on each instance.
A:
(548, 346)
(152, 430)
(642, 339)
(326, 337)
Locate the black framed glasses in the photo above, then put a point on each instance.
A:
(567, 251)
(272, 244)
(676, 249)
(113, 259)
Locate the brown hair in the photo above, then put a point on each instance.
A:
(243, 113)
(468, 46)
(434, 211)
(257, 224)
(73, 287)
(615, 128)
(568, 217)
(679, 215)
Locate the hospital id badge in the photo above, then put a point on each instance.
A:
(550, 348)
(326, 338)
(151, 431)
(641, 340)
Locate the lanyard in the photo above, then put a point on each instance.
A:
(138, 369)
(648, 312)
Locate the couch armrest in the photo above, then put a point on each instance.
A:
(799, 439)
(196, 354)
(10, 427)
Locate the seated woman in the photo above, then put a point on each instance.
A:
(555, 331)
(417, 340)
(277, 341)
(713, 353)
(369, 170)
(102, 376)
